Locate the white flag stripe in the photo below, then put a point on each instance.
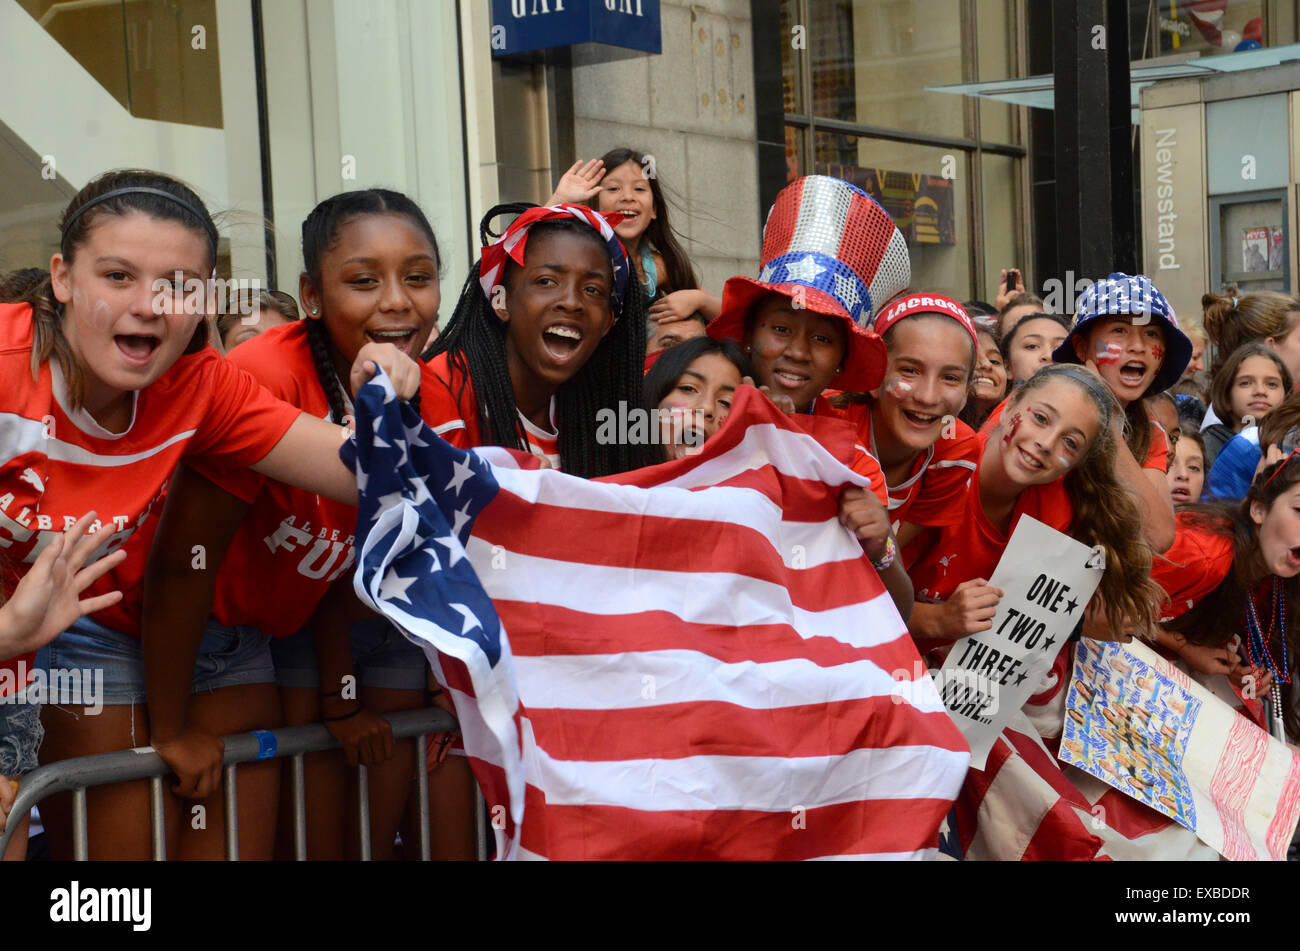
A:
(759, 783)
(716, 597)
(616, 682)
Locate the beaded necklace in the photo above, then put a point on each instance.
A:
(1257, 643)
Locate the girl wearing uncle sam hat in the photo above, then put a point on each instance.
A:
(909, 418)
(831, 256)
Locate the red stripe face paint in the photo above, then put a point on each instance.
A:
(1108, 355)
(1012, 426)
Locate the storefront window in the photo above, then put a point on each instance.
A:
(1211, 28)
(865, 70)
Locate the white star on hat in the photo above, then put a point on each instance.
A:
(847, 290)
(806, 269)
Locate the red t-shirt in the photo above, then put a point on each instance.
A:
(59, 465)
(1157, 454)
(449, 406)
(1196, 564)
(971, 547)
(931, 495)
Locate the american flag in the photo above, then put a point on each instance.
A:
(700, 663)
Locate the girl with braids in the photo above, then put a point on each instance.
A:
(1052, 458)
(1233, 568)
(109, 385)
(549, 329)
(626, 181)
(279, 559)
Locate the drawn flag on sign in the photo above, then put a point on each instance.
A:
(692, 660)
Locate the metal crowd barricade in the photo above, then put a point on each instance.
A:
(76, 775)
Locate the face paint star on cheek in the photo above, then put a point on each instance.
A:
(1109, 354)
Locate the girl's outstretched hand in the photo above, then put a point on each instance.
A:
(579, 184)
(48, 599)
(403, 372)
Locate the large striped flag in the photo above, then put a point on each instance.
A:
(688, 661)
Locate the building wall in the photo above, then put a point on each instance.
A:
(692, 108)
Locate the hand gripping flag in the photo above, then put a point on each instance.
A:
(692, 660)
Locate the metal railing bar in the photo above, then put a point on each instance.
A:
(232, 814)
(299, 809)
(363, 811)
(143, 763)
(157, 824)
(422, 791)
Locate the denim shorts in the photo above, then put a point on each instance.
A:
(111, 664)
(20, 734)
(382, 657)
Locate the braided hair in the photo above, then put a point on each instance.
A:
(319, 232)
(475, 343)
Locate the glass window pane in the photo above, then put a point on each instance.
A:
(928, 207)
(794, 160)
(791, 59)
(996, 57)
(1184, 29)
(871, 62)
(1002, 245)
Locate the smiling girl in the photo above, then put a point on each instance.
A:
(371, 274)
(989, 385)
(829, 252)
(108, 395)
(1028, 345)
(692, 387)
(910, 422)
(546, 333)
(1051, 458)
(627, 182)
(1247, 387)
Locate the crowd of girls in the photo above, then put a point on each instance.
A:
(200, 555)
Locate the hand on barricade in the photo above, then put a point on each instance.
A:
(366, 737)
(196, 758)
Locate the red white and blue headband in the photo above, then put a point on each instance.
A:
(512, 245)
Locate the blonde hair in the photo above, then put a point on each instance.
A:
(1106, 513)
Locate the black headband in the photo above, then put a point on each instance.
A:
(193, 209)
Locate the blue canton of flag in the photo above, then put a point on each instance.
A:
(419, 496)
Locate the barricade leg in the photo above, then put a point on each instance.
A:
(422, 793)
(232, 815)
(157, 823)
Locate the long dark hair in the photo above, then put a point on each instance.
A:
(475, 343)
(673, 362)
(1219, 615)
(319, 232)
(660, 233)
(87, 207)
(1224, 378)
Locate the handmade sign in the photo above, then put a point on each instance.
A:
(1047, 579)
(1139, 724)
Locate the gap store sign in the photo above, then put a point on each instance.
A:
(520, 26)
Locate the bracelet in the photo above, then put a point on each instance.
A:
(346, 716)
(887, 559)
